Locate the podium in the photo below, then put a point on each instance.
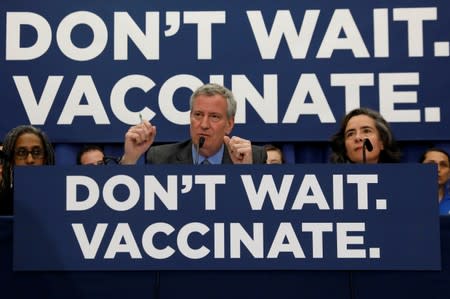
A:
(65, 272)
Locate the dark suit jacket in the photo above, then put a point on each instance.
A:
(6, 201)
(181, 153)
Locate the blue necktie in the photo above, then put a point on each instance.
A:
(206, 162)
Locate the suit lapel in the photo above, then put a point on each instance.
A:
(226, 156)
(184, 153)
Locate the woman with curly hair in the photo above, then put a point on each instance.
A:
(358, 125)
(24, 145)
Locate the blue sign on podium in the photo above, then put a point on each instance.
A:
(229, 217)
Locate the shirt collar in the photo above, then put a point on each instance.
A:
(214, 159)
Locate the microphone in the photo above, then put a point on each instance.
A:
(201, 141)
(198, 146)
(366, 145)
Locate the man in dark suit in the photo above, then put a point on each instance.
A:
(212, 112)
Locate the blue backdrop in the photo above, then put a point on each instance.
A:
(84, 70)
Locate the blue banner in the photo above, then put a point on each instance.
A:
(84, 71)
(333, 217)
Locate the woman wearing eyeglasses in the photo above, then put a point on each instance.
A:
(23, 146)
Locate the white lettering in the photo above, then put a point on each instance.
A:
(73, 203)
(147, 43)
(14, 23)
(183, 244)
(342, 20)
(344, 240)
(283, 25)
(95, 23)
(390, 98)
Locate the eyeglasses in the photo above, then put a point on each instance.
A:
(22, 153)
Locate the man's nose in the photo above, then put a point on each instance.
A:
(204, 122)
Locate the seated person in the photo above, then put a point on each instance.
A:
(23, 146)
(274, 154)
(91, 155)
(212, 112)
(362, 126)
(441, 159)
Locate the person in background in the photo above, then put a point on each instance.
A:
(91, 155)
(212, 112)
(274, 154)
(440, 157)
(24, 145)
(358, 125)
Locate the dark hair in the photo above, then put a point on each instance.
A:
(433, 149)
(271, 147)
(391, 152)
(87, 148)
(2, 157)
(9, 144)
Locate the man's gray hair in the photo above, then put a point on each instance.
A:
(212, 89)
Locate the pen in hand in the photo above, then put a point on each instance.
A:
(142, 121)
